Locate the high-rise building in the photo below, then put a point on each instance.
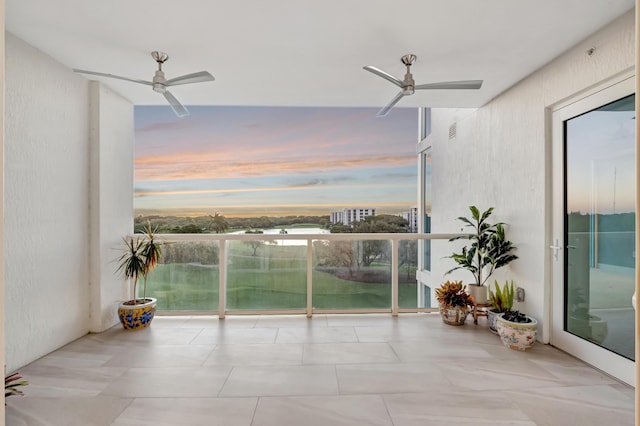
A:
(350, 215)
(412, 217)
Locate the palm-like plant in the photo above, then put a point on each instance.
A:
(489, 249)
(140, 256)
(218, 222)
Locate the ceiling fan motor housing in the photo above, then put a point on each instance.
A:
(159, 82)
(408, 85)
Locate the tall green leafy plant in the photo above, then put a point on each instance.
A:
(488, 250)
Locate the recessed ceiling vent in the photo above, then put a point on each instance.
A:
(453, 129)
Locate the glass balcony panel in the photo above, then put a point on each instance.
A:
(407, 266)
(352, 274)
(187, 278)
(266, 275)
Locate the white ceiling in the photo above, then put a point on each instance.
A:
(310, 53)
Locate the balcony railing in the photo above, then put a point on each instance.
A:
(291, 273)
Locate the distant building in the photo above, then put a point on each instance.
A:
(335, 217)
(348, 216)
(412, 217)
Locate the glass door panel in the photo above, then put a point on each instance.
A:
(600, 226)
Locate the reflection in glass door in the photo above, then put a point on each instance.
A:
(600, 226)
(592, 239)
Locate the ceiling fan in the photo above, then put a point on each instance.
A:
(408, 86)
(160, 83)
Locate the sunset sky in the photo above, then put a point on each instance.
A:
(254, 161)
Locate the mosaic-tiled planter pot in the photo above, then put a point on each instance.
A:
(519, 336)
(454, 315)
(135, 317)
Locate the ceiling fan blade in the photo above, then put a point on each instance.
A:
(384, 75)
(384, 111)
(463, 84)
(196, 77)
(101, 74)
(178, 108)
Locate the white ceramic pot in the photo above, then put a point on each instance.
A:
(519, 336)
(479, 294)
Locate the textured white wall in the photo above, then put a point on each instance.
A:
(500, 158)
(111, 211)
(46, 204)
(68, 200)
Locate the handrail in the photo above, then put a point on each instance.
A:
(328, 237)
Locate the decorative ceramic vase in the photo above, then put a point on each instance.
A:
(519, 336)
(492, 316)
(454, 315)
(479, 294)
(135, 317)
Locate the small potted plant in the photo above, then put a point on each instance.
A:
(140, 255)
(517, 330)
(501, 301)
(454, 302)
(488, 251)
(12, 384)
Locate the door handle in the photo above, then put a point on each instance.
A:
(556, 248)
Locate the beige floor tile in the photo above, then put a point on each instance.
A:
(34, 411)
(430, 350)
(54, 381)
(442, 407)
(348, 353)
(162, 356)
(349, 410)
(172, 382)
(390, 378)
(575, 405)
(281, 381)
(256, 354)
(316, 335)
(214, 336)
(188, 412)
(292, 321)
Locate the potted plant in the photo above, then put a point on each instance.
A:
(140, 256)
(501, 301)
(454, 302)
(488, 251)
(517, 330)
(12, 384)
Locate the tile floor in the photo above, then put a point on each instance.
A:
(329, 370)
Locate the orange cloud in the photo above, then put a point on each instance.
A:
(210, 166)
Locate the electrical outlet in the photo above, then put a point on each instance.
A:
(519, 294)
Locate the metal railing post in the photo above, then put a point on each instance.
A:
(395, 278)
(309, 278)
(222, 279)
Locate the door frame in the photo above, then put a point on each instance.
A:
(616, 365)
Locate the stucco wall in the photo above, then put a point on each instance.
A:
(46, 204)
(111, 211)
(67, 202)
(500, 158)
